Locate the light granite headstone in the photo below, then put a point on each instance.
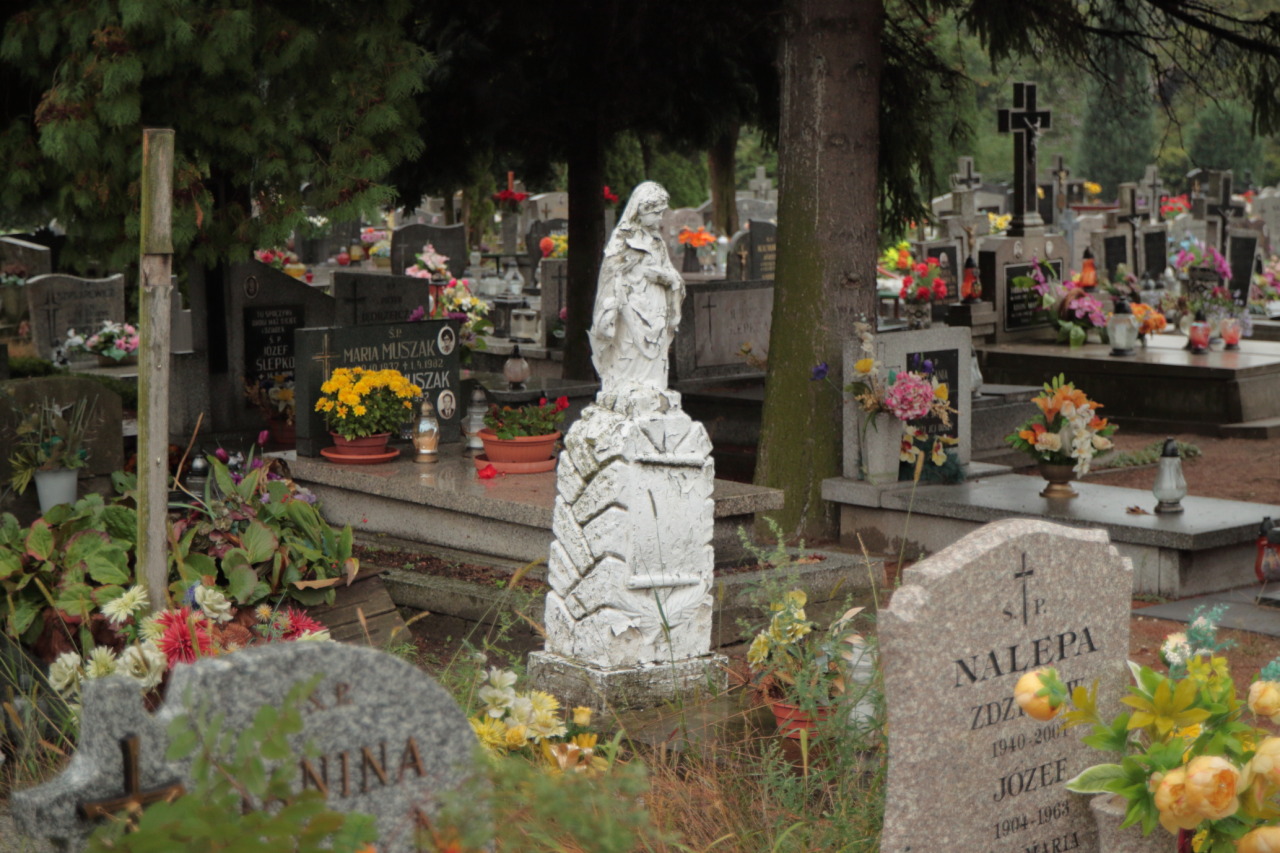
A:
(967, 769)
(718, 319)
(57, 302)
(387, 740)
(941, 352)
(756, 208)
(548, 206)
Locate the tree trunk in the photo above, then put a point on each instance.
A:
(721, 157)
(586, 244)
(831, 62)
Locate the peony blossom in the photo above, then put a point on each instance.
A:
(1034, 706)
(1212, 786)
(65, 673)
(1266, 761)
(1264, 700)
(1171, 801)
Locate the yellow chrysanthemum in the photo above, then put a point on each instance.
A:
(359, 409)
(517, 737)
(490, 732)
(543, 701)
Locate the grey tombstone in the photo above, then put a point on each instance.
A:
(762, 261)
(364, 298)
(426, 353)
(1111, 248)
(553, 276)
(1003, 260)
(1266, 205)
(736, 259)
(265, 307)
(104, 440)
(718, 318)
(34, 258)
(379, 737)
(1152, 251)
(409, 241)
(57, 303)
(973, 772)
(756, 208)
(675, 221)
(548, 206)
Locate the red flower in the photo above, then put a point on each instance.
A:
(547, 245)
(488, 472)
(933, 262)
(907, 281)
(186, 636)
(939, 288)
(922, 294)
(922, 269)
(542, 402)
(562, 403)
(609, 195)
(299, 623)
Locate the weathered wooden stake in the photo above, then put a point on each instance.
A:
(153, 364)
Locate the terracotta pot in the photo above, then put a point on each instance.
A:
(1059, 477)
(792, 720)
(282, 432)
(368, 446)
(528, 448)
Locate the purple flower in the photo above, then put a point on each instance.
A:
(222, 455)
(256, 463)
(262, 438)
(417, 314)
(819, 372)
(236, 478)
(457, 315)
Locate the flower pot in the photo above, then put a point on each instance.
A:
(792, 720)
(1200, 283)
(56, 487)
(382, 262)
(371, 445)
(282, 432)
(879, 444)
(919, 315)
(108, 361)
(528, 448)
(1059, 477)
(1108, 813)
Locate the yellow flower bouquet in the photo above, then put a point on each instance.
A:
(791, 663)
(358, 403)
(1188, 760)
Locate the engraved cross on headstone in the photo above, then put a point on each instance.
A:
(354, 301)
(325, 357)
(134, 798)
(50, 311)
(1025, 122)
(1022, 575)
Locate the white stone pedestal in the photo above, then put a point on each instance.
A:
(628, 618)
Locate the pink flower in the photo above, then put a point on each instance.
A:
(417, 314)
(262, 438)
(909, 397)
(222, 455)
(299, 623)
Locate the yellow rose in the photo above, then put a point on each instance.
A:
(1036, 707)
(582, 716)
(517, 736)
(1171, 800)
(864, 365)
(1212, 786)
(941, 392)
(1266, 761)
(1264, 839)
(1264, 700)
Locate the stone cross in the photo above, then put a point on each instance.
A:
(1213, 203)
(1025, 122)
(1060, 174)
(1152, 190)
(761, 184)
(965, 178)
(134, 797)
(965, 222)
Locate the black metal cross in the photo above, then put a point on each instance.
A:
(134, 798)
(1025, 122)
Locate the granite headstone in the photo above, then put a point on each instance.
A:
(58, 302)
(427, 353)
(364, 298)
(718, 319)
(409, 241)
(762, 262)
(1243, 249)
(379, 737)
(103, 438)
(538, 230)
(967, 769)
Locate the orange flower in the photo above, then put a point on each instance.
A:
(1030, 435)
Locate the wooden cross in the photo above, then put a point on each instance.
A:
(134, 798)
(1025, 122)
(325, 357)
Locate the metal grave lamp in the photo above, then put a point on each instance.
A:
(1171, 486)
(1122, 328)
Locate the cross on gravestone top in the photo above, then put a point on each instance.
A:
(761, 185)
(134, 797)
(1025, 122)
(1214, 204)
(1060, 174)
(1153, 190)
(965, 178)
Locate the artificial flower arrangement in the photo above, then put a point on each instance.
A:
(1073, 310)
(610, 197)
(1067, 431)
(896, 259)
(532, 723)
(1265, 288)
(370, 235)
(697, 239)
(998, 222)
(1194, 254)
(1150, 320)
(791, 663)
(358, 403)
(114, 340)
(1092, 189)
(528, 420)
(457, 302)
(431, 264)
(276, 258)
(907, 395)
(274, 396)
(13, 275)
(509, 200)
(1172, 205)
(917, 289)
(554, 246)
(1190, 762)
(50, 437)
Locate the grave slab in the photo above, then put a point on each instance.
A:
(509, 516)
(973, 772)
(1208, 547)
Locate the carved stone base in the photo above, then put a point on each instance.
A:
(644, 686)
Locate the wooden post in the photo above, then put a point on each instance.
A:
(153, 364)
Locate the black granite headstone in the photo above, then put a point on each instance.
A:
(427, 353)
(1045, 203)
(1155, 253)
(762, 262)
(948, 268)
(945, 365)
(1242, 247)
(1115, 251)
(1022, 304)
(268, 339)
(366, 298)
(409, 241)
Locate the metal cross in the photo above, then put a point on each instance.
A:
(134, 797)
(1025, 123)
(325, 357)
(50, 309)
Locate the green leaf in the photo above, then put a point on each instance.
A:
(76, 599)
(40, 540)
(241, 582)
(233, 559)
(197, 566)
(259, 541)
(23, 615)
(1094, 780)
(182, 739)
(10, 562)
(110, 565)
(121, 523)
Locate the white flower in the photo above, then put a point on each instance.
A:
(149, 629)
(521, 711)
(496, 699)
(102, 662)
(121, 608)
(314, 636)
(546, 724)
(1049, 441)
(65, 674)
(1101, 442)
(145, 664)
(501, 678)
(213, 603)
